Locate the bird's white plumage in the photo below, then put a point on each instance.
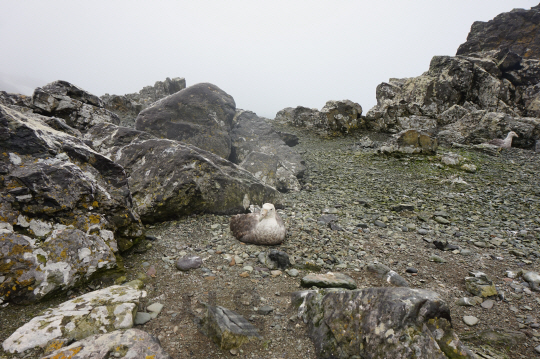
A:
(263, 227)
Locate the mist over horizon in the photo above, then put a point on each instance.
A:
(268, 56)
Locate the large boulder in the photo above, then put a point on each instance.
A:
(54, 188)
(516, 30)
(97, 312)
(335, 118)
(131, 343)
(128, 106)
(200, 115)
(259, 149)
(77, 107)
(187, 180)
(379, 323)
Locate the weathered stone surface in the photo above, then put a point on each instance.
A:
(54, 186)
(226, 328)
(131, 343)
(516, 30)
(77, 107)
(497, 337)
(262, 151)
(128, 106)
(200, 115)
(389, 275)
(189, 262)
(534, 280)
(379, 323)
(480, 285)
(96, 312)
(328, 280)
(335, 118)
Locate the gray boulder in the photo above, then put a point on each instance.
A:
(410, 142)
(259, 149)
(379, 323)
(77, 107)
(131, 343)
(200, 115)
(128, 106)
(97, 312)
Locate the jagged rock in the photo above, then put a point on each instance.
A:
(52, 187)
(226, 328)
(328, 280)
(96, 312)
(131, 343)
(410, 142)
(260, 150)
(200, 115)
(534, 280)
(128, 106)
(379, 322)
(516, 30)
(480, 285)
(335, 118)
(77, 107)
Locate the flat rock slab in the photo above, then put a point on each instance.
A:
(329, 280)
(96, 312)
(131, 343)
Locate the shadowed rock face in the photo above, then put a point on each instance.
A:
(379, 323)
(516, 30)
(200, 115)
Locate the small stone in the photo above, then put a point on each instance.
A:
(437, 259)
(233, 351)
(276, 273)
(441, 220)
(328, 280)
(537, 349)
(487, 304)
(248, 269)
(470, 320)
(292, 272)
(466, 252)
(155, 309)
(142, 318)
(187, 263)
(380, 224)
(265, 310)
(117, 281)
(422, 231)
(244, 274)
(411, 270)
(466, 302)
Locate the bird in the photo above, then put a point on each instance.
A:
(263, 227)
(506, 143)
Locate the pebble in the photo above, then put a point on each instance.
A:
(466, 252)
(537, 349)
(142, 318)
(265, 310)
(422, 231)
(441, 220)
(470, 320)
(292, 272)
(487, 304)
(437, 259)
(380, 224)
(155, 309)
(187, 263)
(411, 270)
(248, 269)
(276, 273)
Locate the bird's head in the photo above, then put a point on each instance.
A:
(512, 134)
(268, 211)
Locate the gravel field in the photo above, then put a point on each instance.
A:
(491, 215)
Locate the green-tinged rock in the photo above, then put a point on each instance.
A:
(328, 280)
(480, 285)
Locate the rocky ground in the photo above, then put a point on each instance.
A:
(491, 215)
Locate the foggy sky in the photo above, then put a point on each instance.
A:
(267, 54)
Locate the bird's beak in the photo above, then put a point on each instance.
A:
(264, 212)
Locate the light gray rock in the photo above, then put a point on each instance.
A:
(131, 343)
(104, 310)
(328, 280)
(226, 328)
(470, 320)
(142, 318)
(189, 262)
(534, 280)
(389, 275)
(377, 322)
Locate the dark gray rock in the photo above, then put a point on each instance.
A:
(280, 258)
(128, 106)
(378, 322)
(387, 274)
(189, 262)
(516, 31)
(79, 108)
(200, 115)
(228, 329)
(131, 343)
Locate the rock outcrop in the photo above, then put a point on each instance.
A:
(188, 180)
(335, 118)
(128, 106)
(259, 149)
(66, 209)
(516, 31)
(96, 312)
(200, 115)
(379, 323)
(491, 88)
